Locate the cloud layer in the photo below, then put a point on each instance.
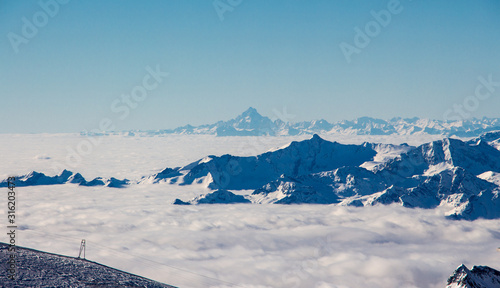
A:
(138, 230)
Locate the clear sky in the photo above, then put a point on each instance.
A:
(63, 66)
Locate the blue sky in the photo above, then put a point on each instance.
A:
(264, 54)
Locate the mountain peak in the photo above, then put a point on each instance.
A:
(250, 115)
(250, 112)
(249, 123)
(478, 276)
(317, 138)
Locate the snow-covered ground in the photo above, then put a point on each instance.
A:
(138, 230)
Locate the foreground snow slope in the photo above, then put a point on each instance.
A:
(40, 269)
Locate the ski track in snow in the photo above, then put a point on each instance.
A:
(136, 229)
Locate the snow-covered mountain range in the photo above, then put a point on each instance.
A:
(36, 178)
(251, 123)
(461, 177)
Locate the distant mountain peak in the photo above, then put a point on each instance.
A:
(250, 111)
(249, 123)
(252, 114)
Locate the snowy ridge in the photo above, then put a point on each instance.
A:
(36, 178)
(298, 158)
(477, 277)
(216, 197)
(251, 123)
(475, 157)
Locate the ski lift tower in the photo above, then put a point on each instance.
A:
(82, 249)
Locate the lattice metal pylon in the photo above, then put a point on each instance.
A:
(82, 248)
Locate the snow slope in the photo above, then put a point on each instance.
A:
(477, 277)
(298, 158)
(477, 158)
(40, 269)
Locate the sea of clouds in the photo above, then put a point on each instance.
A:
(138, 230)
